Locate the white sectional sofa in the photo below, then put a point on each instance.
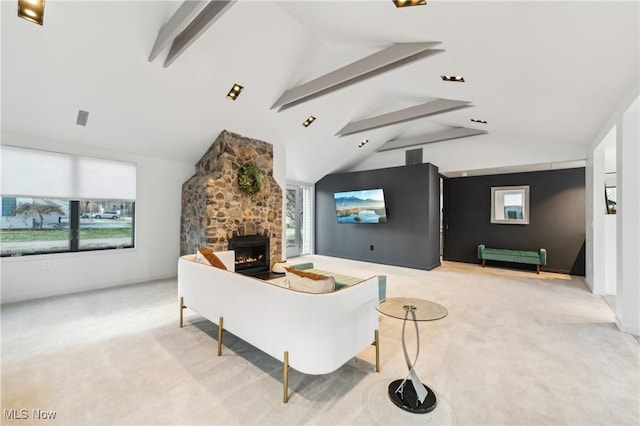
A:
(311, 333)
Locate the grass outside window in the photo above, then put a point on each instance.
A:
(61, 234)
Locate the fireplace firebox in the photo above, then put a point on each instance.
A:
(251, 254)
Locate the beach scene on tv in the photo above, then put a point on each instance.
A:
(365, 206)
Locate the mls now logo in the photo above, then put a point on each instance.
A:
(16, 414)
(23, 414)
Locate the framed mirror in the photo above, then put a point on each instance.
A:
(510, 204)
(610, 196)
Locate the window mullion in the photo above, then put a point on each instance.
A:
(74, 225)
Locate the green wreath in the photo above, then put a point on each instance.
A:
(250, 179)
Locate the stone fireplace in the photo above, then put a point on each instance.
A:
(214, 209)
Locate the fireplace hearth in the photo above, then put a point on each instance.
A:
(251, 254)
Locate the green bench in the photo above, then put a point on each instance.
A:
(344, 280)
(516, 256)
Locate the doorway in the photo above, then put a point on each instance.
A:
(298, 220)
(444, 217)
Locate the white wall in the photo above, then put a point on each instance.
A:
(594, 214)
(598, 163)
(609, 253)
(157, 243)
(600, 260)
(628, 221)
(610, 220)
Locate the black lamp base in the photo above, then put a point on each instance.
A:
(408, 399)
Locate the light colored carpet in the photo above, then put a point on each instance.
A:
(516, 348)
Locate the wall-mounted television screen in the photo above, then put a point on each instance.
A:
(366, 206)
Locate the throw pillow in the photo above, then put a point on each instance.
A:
(208, 257)
(310, 282)
(292, 280)
(311, 275)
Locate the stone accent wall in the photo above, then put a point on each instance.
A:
(213, 206)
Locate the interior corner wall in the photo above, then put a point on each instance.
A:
(595, 254)
(628, 221)
(557, 218)
(410, 238)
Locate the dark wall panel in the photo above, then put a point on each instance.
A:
(411, 235)
(557, 218)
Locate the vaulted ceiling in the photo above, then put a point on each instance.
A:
(542, 74)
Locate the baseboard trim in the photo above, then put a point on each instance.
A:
(29, 296)
(626, 329)
(384, 262)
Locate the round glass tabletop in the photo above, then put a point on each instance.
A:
(424, 310)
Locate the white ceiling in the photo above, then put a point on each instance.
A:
(536, 71)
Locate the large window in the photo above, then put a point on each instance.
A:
(105, 224)
(53, 202)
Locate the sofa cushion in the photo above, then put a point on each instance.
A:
(302, 266)
(309, 282)
(208, 257)
(343, 281)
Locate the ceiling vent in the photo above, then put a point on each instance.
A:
(83, 116)
(413, 156)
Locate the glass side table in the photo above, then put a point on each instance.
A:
(410, 393)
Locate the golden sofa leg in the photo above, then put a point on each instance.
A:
(377, 337)
(181, 309)
(286, 377)
(220, 325)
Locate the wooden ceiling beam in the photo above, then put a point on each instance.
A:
(385, 60)
(438, 106)
(443, 135)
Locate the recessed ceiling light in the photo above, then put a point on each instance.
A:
(31, 10)
(308, 121)
(234, 92)
(363, 142)
(457, 78)
(479, 121)
(405, 3)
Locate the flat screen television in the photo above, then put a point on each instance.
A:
(364, 206)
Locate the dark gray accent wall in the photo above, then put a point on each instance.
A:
(557, 218)
(410, 237)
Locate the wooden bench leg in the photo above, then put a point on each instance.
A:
(220, 323)
(286, 377)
